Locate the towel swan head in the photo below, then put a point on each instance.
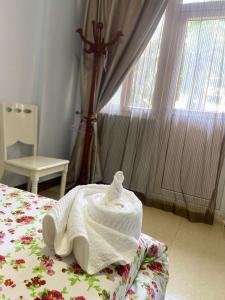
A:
(114, 192)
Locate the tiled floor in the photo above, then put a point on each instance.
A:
(196, 252)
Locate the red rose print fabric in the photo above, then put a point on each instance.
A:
(28, 270)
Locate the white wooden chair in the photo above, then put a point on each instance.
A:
(19, 123)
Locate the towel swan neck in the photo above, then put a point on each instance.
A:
(114, 192)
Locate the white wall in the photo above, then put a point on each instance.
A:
(18, 36)
(39, 61)
(61, 63)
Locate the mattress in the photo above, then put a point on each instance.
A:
(28, 270)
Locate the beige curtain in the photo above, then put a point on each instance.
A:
(165, 127)
(137, 19)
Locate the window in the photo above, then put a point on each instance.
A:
(141, 81)
(201, 80)
(202, 74)
(199, 61)
(137, 90)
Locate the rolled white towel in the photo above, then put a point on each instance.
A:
(98, 232)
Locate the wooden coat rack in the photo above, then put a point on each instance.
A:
(98, 48)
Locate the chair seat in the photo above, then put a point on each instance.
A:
(36, 163)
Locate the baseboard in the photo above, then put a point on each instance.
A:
(44, 185)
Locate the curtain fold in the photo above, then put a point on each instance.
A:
(137, 19)
(165, 126)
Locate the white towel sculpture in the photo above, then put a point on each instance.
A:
(99, 224)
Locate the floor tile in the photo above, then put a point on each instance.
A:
(161, 225)
(197, 262)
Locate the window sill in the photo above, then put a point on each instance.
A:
(133, 114)
(200, 114)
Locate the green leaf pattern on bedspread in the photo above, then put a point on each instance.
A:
(28, 270)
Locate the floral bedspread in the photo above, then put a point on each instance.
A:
(28, 270)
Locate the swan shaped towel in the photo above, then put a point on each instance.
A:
(99, 224)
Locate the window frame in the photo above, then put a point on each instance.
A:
(170, 62)
(192, 12)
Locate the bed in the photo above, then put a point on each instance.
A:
(28, 270)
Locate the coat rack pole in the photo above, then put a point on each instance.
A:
(98, 48)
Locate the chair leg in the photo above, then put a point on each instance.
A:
(63, 181)
(34, 181)
(29, 185)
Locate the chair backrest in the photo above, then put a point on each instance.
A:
(19, 124)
